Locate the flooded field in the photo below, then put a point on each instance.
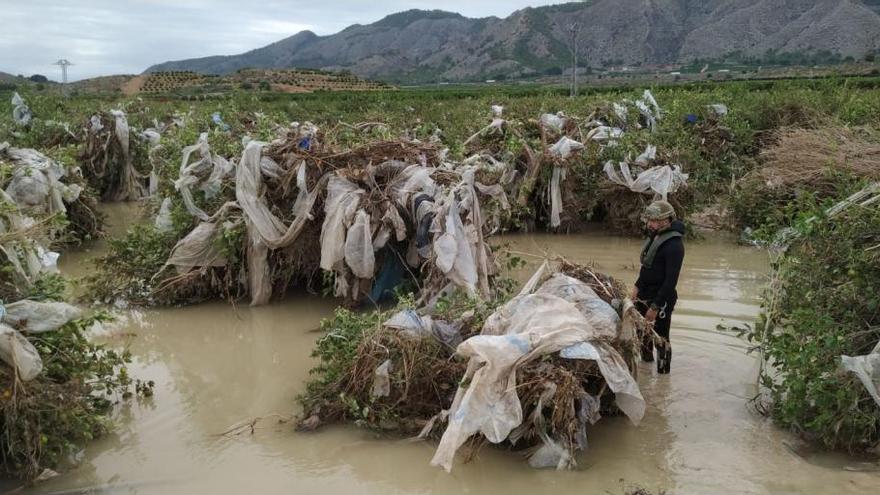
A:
(216, 365)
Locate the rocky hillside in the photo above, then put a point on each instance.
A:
(436, 45)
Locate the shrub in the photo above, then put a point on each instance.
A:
(824, 303)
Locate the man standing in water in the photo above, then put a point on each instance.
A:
(654, 292)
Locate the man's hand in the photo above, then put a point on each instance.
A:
(651, 315)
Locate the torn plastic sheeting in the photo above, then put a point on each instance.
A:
(38, 317)
(265, 230)
(343, 197)
(248, 190)
(36, 181)
(190, 171)
(198, 249)
(620, 111)
(25, 255)
(718, 109)
(359, 255)
(19, 353)
(122, 131)
(382, 380)
(152, 137)
(554, 122)
(21, 113)
(627, 395)
(495, 127)
(605, 133)
(649, 116)
(867, 369)
(524, 329)
(410, 323)
(163, 218)
(496, 192)
(601, 316)
(302, 194)
(470, 202)
(454, 256)
(647, 156)
(663, 181)
(648, 99)
(412, 181)
(559, 174)
(565, 147)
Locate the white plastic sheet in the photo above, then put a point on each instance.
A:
(556, 180)
(198, 249)
(867, 369)
(604, 134)
(662, 181)
(602, 317)
(453, 250)
(719, 109)
(36, 181)
(527, 327)
(343, 198)
(647, 156)
(265, 230)
(565, 147)
(359, 254)
(382, 380)
(192, 174)
(19, 353)
(21, 114)
(38, 317)
(163, 218)
(554, 122)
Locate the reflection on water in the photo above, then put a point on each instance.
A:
(215, 365)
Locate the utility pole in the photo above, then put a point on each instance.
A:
(573, 46)
(64, 64)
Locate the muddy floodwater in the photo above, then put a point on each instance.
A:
(215, 365)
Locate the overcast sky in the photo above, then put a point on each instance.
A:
(104, 37)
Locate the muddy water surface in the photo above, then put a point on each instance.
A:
(215, 365)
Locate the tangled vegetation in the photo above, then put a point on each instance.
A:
(46, 420)
(823, 304)
(424, 371)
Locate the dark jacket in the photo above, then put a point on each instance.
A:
(658, 277)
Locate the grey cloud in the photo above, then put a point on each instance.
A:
(125, 36)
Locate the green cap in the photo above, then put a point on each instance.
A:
(659, 210)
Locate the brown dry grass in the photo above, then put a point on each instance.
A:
(806, 156)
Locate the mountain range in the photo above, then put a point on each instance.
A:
(428, 46)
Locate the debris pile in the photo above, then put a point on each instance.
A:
(531, 371)
(114, 162)
(44, 189)
(362, 214)
(372, 217)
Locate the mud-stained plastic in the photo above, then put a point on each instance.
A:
(17, 352)
(867, 369)
(662, 181)
(530, 326)
(39, 317)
